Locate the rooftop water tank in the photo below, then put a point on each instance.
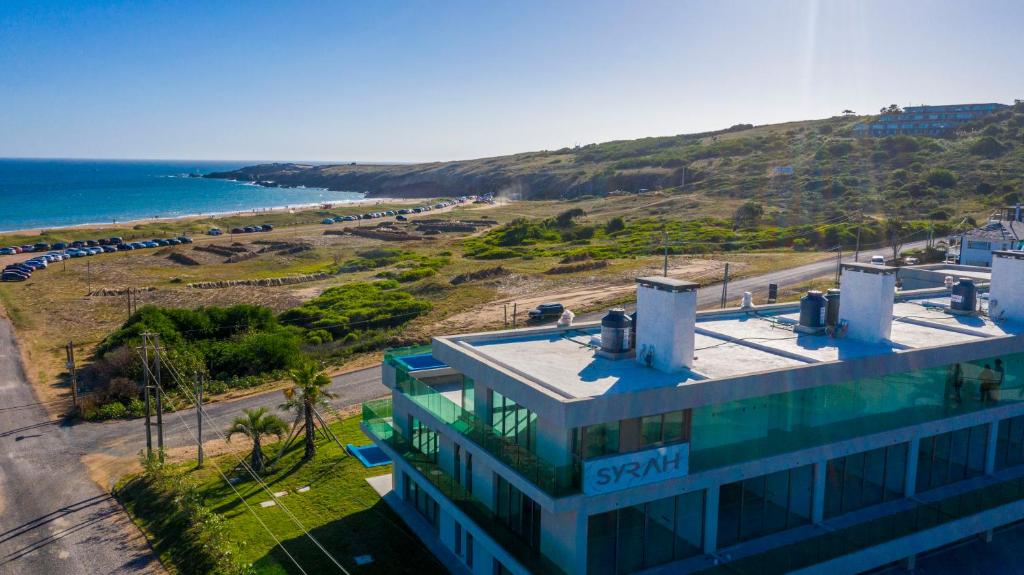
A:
(812, 311)
(832, 307)
(964, 299)
(615, 331)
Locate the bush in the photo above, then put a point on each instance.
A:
(988, 147)
(941, 178)
(358, 306)
(112, 410)
(615, 224)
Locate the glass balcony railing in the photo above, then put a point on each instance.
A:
(377, 421)
(831, 545)
(555, 480)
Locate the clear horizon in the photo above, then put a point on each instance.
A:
(398, 82)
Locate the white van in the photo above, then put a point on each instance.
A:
(878, 260)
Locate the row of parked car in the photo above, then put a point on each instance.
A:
(60, 251)
(398, 214)
(245, 230)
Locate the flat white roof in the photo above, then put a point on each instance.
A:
(565, 362)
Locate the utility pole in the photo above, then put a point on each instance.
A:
(145, 392)
(514, 312)
(839, 262)
(73, 372)
(506, 315)
(199, 419)
(856, 254)
(664, 241)
(159, 399)
(725, 284)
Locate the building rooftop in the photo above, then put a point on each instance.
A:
(999, 230)
(727, 344)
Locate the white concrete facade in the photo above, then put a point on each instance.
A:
(561, 411)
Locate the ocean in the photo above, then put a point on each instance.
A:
(56, 193)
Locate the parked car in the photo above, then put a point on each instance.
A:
(109, 249)
(545, 311)
(173, 242)
(402, 218)
(151, 244)
(91, 243)
(14, 276)
(59, 246)
(34, 264)
(267, 227)
(42, 247)
(159, 242)
(93, 250)
(78, 244)
(878, 260)
(185, 239)
(214, 232)
(20, 267)
(28, 248)
(103, 241)
(125, 247)
(237, 231)
(116, 241)
(7, 252)
(327, 221)
(911, 261)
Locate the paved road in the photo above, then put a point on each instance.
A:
(53, 518)
(127, 438)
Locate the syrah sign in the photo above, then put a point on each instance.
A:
(616, 472)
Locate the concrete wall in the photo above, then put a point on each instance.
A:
(925, 277)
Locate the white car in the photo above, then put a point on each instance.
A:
(878, 260)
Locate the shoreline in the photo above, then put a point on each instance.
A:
(198, 216)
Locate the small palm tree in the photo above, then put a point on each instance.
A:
(307, 393)
(255, 424)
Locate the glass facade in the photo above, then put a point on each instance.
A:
(631, 434)
(645, 535)
(511, 420)
(765, 504)
(423, 502)
(750, 429)
(865, 479)
(949, 457)
(424, 439)
(517, 511)
(1010, 442)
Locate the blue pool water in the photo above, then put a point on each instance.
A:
(53, 193)
(369, 455)
(422, 361)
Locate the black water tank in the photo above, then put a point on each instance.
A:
(832, 308)
(812, 310)
(632, 330)
(964, 297)
(615, 331)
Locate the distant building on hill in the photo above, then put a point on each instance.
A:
(925, 120)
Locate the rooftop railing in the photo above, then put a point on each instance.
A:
(377, 421)
(555, 480)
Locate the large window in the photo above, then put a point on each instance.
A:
(424, 438)
(1010, 443)
(761, 505)
(865, 479)
(645, 535)
(632, 434)
(750, 429)
(514, 421)
(949, 457)
(517, 511)
(423, 502)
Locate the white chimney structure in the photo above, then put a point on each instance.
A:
(666, 312)
(1006, 295)
(867, 296)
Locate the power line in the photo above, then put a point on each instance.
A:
(175, 374)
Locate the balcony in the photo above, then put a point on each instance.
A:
(555, 480)
(838, 542)
(377, 421)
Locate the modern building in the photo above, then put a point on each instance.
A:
(926, 120)
(1003, 232)
(742, 441)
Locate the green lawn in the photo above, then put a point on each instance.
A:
(340, 510)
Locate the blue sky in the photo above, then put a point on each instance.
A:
(412, 81)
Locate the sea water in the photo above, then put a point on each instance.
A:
(51, 193)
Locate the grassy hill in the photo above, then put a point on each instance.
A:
(917, 177)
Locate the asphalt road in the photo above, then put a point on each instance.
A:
(53, 518)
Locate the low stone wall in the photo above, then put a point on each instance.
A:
(265, 282)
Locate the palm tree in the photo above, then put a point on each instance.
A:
(303, 398)
(255, 424)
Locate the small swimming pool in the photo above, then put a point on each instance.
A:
(369, 455)
(421, 362)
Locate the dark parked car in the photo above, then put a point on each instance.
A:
(59, 246)
(159, 242)
(116, 241)
(78, 244)
(266, 227)
(103, 241)
(42, 247)
(109, 249)
(92, 243)
(402, 218)
(173, 241)
(250, 229)
(14, 276)
(546, 311)
(185, 239)
(237, 231)
(125, 247)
